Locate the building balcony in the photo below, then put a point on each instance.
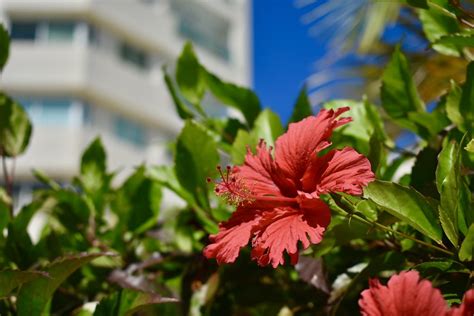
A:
(93, 75)
(158, 31)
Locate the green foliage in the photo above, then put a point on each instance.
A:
(137, 202)
(188, 75)
(128, 302)
(11, 279)
(4, 46)
(401, 101)
(15, 127)
(196, 159)
(407, 205)
(194, 80)
(466, 105)
(436, 26)
(466, 253)
(34, 296)
(417, 214)
(267, 127)
(302, 107)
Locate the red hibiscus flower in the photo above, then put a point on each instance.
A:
(278, 197)
(407, 295)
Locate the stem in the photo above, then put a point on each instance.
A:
(388, 229)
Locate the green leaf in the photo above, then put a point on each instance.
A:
(453, 102)
(302, 107)
(15, 127)
(433, 122)
(44, 179)
(407, 205)
(196, 159)
(93, 166)
(166, 176)
(399, 95)
(268, 127)
(365, 133)
(19, 247)
(137, 202)
(447, 181)
(11, 279)
(242, 99)
(4, 46)
(35, 295)
(239, 147)
(466, 253)
(437, 25)
(459, 40)
(445, 265)
(470, 146)
(181, 108)
(129, 302)
(188, 75)
(466, 107)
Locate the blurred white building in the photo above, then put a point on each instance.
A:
(88, 67)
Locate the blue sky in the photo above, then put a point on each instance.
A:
(283, 53)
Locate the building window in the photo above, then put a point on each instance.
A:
(54, 111)
(130, 131)
(209, 39)
(25, 31)
(49, 31)
(61, 31)
(134, 56)
(202, 27)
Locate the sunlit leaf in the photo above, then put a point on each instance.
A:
(239, 147)
(15, 127)
(406, 204)
(240, 98)
(93, 166)
(437, 25)
(447, 181)
(453, 102)
(470, 146)
(459, 40)
(196, 159)
(466, 253)
(268, 127)
(188, 75)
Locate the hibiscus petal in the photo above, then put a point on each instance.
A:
(338, 171)
(232, 236)
(405, 294)
(294, 149)
(257, 171)
(282, 229)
